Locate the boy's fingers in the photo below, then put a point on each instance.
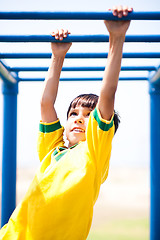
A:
(61, 34)
(120, 11)
(114, 11)
(56, 34)
(125, 11)
(119, 8)
(53, 34)
(130, 9)
(66, 32)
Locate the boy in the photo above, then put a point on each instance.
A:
(59, 203)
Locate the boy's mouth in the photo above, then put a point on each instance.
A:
(78, 130)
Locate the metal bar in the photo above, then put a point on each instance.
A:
(84, 79)
(8, 202)
(123, 68)
(154, 159)
(156, 77)
(76, 38)
(6, 75)
(139, 68)
(10, 91)
(78, 55)
(77, 16)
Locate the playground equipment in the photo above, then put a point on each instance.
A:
(10, 79)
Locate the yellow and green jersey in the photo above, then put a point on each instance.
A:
(59, 203)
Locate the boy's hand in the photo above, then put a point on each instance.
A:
(60, 49)
(118, 28)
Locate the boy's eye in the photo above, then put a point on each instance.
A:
(88, 114)
(73, 114)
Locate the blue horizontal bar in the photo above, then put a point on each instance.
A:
(77, 16)
(84, 79)
(139, 68)
(127, 68)
(78, 55)
(78, 38)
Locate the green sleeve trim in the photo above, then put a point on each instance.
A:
(60, 155)
(102, 125)
(58, 150)
(49, 127)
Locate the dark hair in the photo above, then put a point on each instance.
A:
(116, 120)
(84, 100)
(90, 100)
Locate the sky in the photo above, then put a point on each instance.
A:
(131, 143)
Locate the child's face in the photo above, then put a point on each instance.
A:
(77, 124)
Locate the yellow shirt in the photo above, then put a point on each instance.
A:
(59, 203)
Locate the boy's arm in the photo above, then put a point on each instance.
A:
(117, 31)
(59, 50)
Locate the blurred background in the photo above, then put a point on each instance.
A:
(122, 209)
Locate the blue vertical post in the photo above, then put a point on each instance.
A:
(155, 160)
(8, 203)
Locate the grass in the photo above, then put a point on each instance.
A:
(122, 230)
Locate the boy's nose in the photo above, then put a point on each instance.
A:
(79, 120)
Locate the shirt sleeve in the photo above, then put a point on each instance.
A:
(99, 137)
(50, 136)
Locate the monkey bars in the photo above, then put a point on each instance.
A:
(78, 38)
(78, 55)
(76, 16)
(10, 80)
(83, 69)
